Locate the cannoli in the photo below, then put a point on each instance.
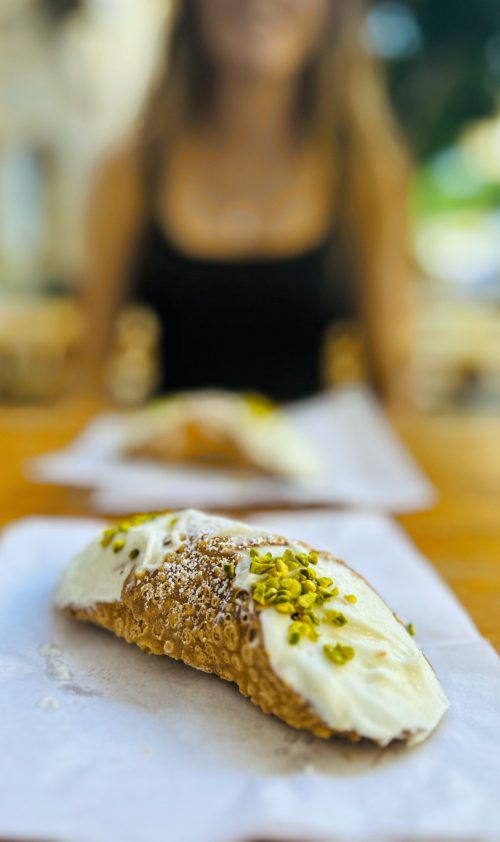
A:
(220, 429)
(300, 633)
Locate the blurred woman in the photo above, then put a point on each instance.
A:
(261, 200)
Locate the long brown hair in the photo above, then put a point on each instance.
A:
(343, 103)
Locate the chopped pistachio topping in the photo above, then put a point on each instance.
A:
(410, 628)
(298, 630)
(338, 654)
(118, 545)
(307, 600)
(285, 608)
(292, 587)
(229, 569)
(350, 597)
(123, 527)
(336, 618)
(133, 554)
(258, 404)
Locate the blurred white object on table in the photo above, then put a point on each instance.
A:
(363, 464)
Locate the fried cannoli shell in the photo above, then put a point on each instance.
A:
(169, 592)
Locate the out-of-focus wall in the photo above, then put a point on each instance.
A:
(71, 81)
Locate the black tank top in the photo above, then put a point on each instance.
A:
(254, 325)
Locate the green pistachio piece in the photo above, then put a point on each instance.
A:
(306, 600)
(281, 567)
(293, 587)
(338, 654)
(285, 608)
(336, 618)
(311, 616)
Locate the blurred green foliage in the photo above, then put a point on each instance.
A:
(453, 77)
(429, 196)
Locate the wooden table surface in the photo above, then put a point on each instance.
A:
(460, 536)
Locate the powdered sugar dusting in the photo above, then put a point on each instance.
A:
(192, 540)
(183, 540)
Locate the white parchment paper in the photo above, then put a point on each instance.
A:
(100, 741)
(364, 464)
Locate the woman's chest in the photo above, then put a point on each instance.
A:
(236, 206)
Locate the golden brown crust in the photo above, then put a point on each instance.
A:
(189, 610)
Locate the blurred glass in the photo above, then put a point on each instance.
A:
(39, 343)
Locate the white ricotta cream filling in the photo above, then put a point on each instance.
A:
(388, 690)
(97, 573)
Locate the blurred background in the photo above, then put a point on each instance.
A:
(73, 77)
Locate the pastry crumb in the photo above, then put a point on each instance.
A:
(49, 703)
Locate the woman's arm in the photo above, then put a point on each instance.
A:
(385, 282)
(115, 218)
